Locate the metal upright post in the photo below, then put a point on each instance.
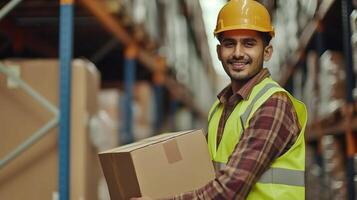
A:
(173, 110)
(350, 84)
(129, 79)
(347, 48)
(65, 54)
(8, 7)
(158, 93)
(194, 120)
(158, 79)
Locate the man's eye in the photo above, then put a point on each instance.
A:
(228, 44)
(249, 44)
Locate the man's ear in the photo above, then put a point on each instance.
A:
(268, 52)
(218, 49)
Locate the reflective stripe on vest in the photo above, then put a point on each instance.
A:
(218, 165)
(283, 176)
(277, 175)
(246, 114)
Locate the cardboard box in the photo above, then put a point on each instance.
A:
(159, 166)
(34, 174)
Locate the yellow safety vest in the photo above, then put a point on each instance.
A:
(285, 178)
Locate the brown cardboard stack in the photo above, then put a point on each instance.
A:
(159, 166)
(34, 174)
(112, 101)
(143, 110)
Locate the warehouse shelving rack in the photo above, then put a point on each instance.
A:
(306, 36)
(66, 35)
(154, 63)
(344, 120)
(322, 126)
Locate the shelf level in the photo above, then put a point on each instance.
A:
(333, 124)
(304, 39)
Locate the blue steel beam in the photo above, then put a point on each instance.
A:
(129, 79)
(65, 54)
(173, 111)
(158, 94)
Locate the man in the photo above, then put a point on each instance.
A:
(255, 128)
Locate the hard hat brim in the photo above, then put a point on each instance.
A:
(246, 27)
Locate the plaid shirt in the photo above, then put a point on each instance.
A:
(272, 131)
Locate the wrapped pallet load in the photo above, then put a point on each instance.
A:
(35, 171)
(354, 43)
(331, 82)
(335, 181)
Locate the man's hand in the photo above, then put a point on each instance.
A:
(141, 198)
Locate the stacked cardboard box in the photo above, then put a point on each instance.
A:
(109, 116)
(112, 101)
(34, 174)
(143, 110)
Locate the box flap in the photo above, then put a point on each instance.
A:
(147, 142)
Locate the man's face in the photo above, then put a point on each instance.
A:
(242, 53)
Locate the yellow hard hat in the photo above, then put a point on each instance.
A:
(244, 14)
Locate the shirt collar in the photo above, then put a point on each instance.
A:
(245, 90)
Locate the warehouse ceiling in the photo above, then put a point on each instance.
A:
(172, 30)
(32, 30)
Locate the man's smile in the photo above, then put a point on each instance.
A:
(239, 64)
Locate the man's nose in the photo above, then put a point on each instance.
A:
(238, 51)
